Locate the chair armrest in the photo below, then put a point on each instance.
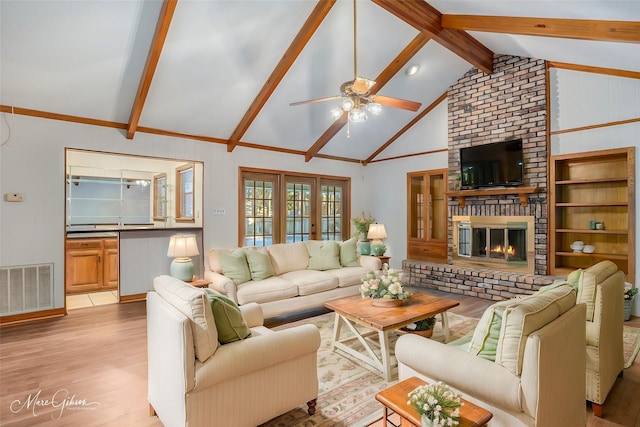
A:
(471, 375)
(222, 284)
(370, 262)
(252, 314)
(257, 353)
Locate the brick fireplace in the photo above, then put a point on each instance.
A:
(483, 109)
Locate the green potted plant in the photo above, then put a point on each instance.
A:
(629, 296)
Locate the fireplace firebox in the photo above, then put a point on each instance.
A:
(498, 242)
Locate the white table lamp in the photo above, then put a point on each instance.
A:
(181, 248)
(376, 233)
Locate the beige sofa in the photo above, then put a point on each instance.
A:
(289, 277)
(193, 380)
(537, 375)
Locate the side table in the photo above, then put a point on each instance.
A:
(395, 400)
(200, 283)
(383, 258)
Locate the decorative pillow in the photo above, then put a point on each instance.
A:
(588, 281)
(528, 315)
(259, 263)
(234, 266)
(214, 259)
(193, 303)
(286, 257)
(229, 321)
(348, 253)
(323, 255)
(484, 342)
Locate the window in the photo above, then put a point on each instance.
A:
(160, 197)
(279, 207)
(184, 193)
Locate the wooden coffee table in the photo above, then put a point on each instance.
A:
(395, 400)
(356, 310)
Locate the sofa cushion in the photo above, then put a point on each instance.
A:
(349, 253)
(349, 276)
(272, 289)
(234, 266)
(525, 316)
(311, 281)
(193, 303)
(484, 341)
(589, 279)
(214, 259)
(229, 321)
(323, 255)
(287, 257)
(259, 263)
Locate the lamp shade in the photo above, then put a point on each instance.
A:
(183, 246)
(377, 232)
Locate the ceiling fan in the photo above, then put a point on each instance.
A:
(356, 94)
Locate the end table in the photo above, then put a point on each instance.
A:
(200, 283)
(395, 399)
(383, 258)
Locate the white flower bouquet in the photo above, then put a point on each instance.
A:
(437, 403)
(386, 285)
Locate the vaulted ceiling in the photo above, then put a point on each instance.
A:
(226, 71)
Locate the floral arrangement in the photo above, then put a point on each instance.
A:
(630, 293)
(362, 223)
(437, 402)
(386, 285)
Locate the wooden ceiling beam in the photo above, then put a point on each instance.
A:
(409, 125)
(425, 18)
(580, 29)
(159, 37)
(310, 26)
(383, 78)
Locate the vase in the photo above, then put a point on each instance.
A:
(426, 422)
(628, 304)
(364, 247)
(386, 302)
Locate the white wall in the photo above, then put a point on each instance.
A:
(32, 163)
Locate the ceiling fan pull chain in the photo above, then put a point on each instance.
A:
(348, 129)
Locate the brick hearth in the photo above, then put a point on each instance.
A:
(509, 104)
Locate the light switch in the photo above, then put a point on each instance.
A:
(14, 197)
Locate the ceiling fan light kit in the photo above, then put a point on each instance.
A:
(356, 94)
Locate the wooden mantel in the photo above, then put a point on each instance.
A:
(523, 192)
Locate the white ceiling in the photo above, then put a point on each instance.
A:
(86, 59)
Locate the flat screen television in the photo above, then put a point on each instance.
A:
(498, 164)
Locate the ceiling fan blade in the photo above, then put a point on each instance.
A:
(397, 103)
(310, 101)
(362, 85)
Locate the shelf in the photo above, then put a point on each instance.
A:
(593, 255)
(589, 231)
(523, 192)
(590, 205)
(590, 181)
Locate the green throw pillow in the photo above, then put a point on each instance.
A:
(229, 321)
(484, 342)
(234, 266)
(574, 278)
(259, 263)
(349, 254)
(323, 255)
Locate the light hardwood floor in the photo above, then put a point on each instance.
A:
(99, 355)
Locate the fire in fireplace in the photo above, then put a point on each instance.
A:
(496, 242)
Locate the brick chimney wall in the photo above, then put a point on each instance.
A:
(511, 103)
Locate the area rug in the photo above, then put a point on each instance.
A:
(631, 344)
(347, 387)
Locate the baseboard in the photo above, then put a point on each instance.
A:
(132, 298)
(36, 315)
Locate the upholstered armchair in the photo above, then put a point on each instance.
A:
(194, 380)
(601, 288)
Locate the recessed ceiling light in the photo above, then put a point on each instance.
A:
(412, 69)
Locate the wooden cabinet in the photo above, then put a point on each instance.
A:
(91, 265)
(427, 215)
(592, 187)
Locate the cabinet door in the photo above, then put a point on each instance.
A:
(83, 268)
(110, 264)
(427, 215)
